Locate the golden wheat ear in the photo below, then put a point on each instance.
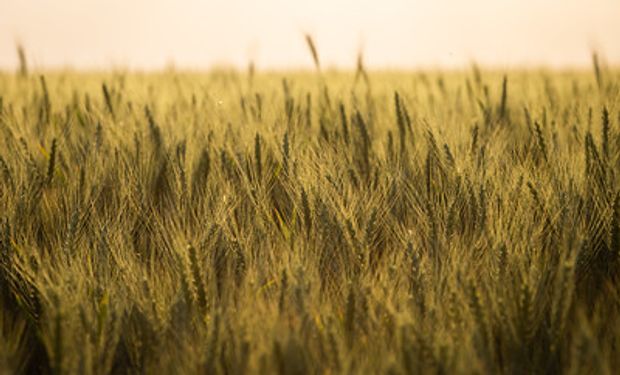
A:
(313, 50)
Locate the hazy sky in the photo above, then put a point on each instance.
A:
(150, 34)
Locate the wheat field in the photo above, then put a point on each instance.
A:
(439, 222)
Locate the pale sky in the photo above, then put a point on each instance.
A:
(198, 34)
